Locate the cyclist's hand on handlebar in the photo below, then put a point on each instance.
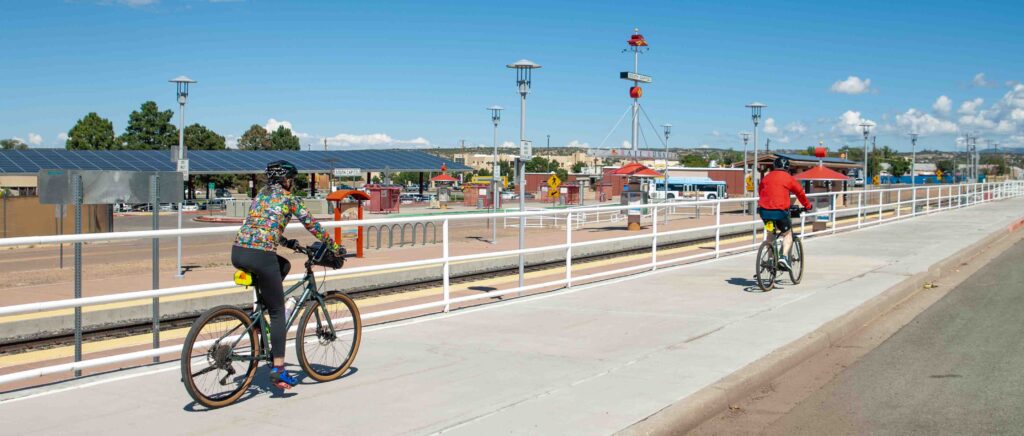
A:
(808, 209)
(292, 244)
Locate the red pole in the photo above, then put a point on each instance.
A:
(337, 217)
(359, 237)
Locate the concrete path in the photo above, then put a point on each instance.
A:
(591, 360)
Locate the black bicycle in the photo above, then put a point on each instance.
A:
(766, 268)
(225, 345)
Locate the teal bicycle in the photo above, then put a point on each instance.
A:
(226, 344)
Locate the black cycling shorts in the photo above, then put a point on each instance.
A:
(781, 217)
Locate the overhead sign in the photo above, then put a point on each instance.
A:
(635, 76)
(633, 154)
(526, 149)
(347, 172)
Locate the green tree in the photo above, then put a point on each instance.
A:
(694, 160)
(92, 132)
(149, 128)
(283, 139)
(899, 166)
(946, 166)
(578, 167)
(198, 137)
(12, 144)
(256, 138)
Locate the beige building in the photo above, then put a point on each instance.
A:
(484, 160)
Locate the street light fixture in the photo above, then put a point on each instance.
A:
(524, 72)
(755, 115)
(183, 82)
(495, 171)
(866, 128)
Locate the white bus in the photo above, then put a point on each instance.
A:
(692, 188)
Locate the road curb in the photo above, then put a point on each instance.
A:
(692, 411)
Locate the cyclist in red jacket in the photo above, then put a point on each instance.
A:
(774, 202)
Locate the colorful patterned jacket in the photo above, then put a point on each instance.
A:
(270, 212)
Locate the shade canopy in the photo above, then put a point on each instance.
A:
(634, 169)
(443, 178)
(821, 173)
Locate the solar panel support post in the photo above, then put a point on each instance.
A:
(77, 192)
(154, 194)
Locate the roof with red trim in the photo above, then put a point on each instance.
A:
(443, 178)
(635, 169)
(820, 173)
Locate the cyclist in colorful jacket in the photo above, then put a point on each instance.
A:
(254, 251)
(773, 203)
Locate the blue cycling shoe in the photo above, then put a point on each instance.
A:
(281, 379)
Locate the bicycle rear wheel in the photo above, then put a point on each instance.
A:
(796, 261)
(325, 353)
(766, 266)
(219, 357)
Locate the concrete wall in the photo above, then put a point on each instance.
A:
(25, 216)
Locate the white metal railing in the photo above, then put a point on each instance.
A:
(868, 204)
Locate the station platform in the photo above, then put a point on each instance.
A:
(593, 359)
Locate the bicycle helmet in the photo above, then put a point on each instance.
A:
(280, 170)
(781, 163)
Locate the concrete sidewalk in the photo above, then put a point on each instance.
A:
(592, 360)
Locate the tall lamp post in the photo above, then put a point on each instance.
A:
(182, 82)
(668, 132)
(524, 69)
(755, 116)
(746, 138)
(495, 171)
(866, 128)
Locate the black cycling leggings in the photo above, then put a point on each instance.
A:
(270, 270)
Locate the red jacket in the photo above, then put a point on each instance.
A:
(775, 188)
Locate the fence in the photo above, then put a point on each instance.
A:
(916, 201)
(414, 228)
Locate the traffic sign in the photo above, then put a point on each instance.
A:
(554, 181)
(750, 182)
(628, 75)
(347, 172)
(875, 180)
(553, 193)
(183, 167)
(938, 174)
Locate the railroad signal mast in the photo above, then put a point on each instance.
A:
(637, 44)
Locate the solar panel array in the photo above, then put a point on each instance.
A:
(219, 161)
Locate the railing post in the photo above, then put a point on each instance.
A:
(568, 250)
(447, 266)
(77, 191)
(718, 228)
(154, 194)
(927, 200)
(654, 239)
(899, 203)
(913, 201)
(860, 209)
(835, 214)
(881, 197)
(803, 223)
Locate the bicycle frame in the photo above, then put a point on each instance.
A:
(309, 293)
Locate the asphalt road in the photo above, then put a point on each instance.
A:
(957, 368)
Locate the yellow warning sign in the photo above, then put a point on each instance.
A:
(750, 183)
(553, 193)
(554, 181)
(876, 180)
(938, 174)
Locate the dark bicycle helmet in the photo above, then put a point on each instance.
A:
(279, 170)
(781, 163)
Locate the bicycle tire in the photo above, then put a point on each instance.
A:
(339, 306)
(796, 261)
(765, 267)
(188, 355)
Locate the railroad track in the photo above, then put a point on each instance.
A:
(104, 334)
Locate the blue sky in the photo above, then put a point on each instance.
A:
(420, 74)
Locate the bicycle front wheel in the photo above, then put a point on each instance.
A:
(219, 357)
(328, 336)
(796, 261)
(766, 266)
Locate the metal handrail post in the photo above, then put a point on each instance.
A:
(447, 266)
(718, 229)
(654, 239)
(880, 199)
(835, 213)
(899, 204)
(568, 250)
(927, 200)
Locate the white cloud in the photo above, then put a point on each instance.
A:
(970, 106)
(796, 127)
(273, 124)
(231, 141)
(849, 123)
(62, 136)
(917, 121)
(769, 126)
(852, 85)
(942, 104)
(508, 144)
(374, 140)
(1017, 114)
(35, 138)
(716, 133)
(979, 80)
(625, 143)
(578, 144)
